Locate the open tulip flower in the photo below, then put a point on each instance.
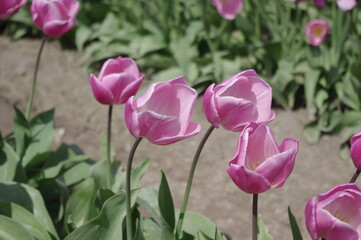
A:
(346, 5)
(55, 17)
(259, 163)
(162, 114)
(228, 9)
(316, 31)
(336, 214)
(355, 150)
(118, 80)
(9, 7)
(239, 100)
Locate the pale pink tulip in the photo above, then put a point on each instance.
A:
(54, 17)
(355, 150)
(163, 113)
(228, 9)
(259, 163)
(336, 214)
(316, 31)
(118, 80)
(346, 5)
(9, 7)
(237, 101)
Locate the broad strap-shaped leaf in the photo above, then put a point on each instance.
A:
(21, 128)
(166, 207)
(12, 230)
(148, 198)
(296, 233)
(263, 233)
(8, 162)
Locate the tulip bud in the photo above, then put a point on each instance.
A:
(335, 215)
(9, 7)
(118, 80)
(259, 163)
(228, 9)
(355, 150)
(55, 17)
(239, 100)
(346, 5)
(162, 114)
(316, 31)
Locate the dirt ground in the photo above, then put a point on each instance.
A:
(63, 85)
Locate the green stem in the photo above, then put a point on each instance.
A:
(31, 97)
(190, 179)
(254, 217)
(355, 176)
(109, 137)
(127, 189)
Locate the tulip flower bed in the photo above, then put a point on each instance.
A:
(62, 194)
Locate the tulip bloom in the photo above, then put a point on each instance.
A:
(55, 17)
(259, 163)
(228, 9)
(162, 114)
(118, 80)
(316, 31)
(319, 3)
(237, 101)
(355, 150)
(346, 5)
(9, 7)
(335, 215)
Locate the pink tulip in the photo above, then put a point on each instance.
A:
(162, 114)
(54, 17)
(228, 8)
(336, 214)
(355, 150)
(316, 31)
(239, 100)
(259, 163)
(319, 3)
(118, 80)
(9, 7)
(346, 5)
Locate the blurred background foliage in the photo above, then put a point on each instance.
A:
(169, 38)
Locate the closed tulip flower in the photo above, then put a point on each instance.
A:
(355, 150)
(54, 17)
(228, 9)
(346, 5)
(9, 7)
(259, 164)
(319, 3)
(316, 31)
(335, 215)
(118, 80)
(162, 114)
(237, 101)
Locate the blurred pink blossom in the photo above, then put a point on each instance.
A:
(9, 7)
(346, 5)
(316, 31)
(228, 8)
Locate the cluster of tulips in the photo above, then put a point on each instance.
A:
(241, 103)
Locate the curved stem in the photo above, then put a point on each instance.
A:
(109, 137)
(355, 176)
(190, 179)
(254, 216)
(31, 97)
(127, 189)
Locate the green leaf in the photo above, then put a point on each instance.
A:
(166, 206)
(109, 223)
(78, 173)
(263, 233)
(30, 199)
(12, 230)
(81, 202)
(82, 35)
(139, 230)
(9, 162)
(25, 218)
(312, 133)
(148, 199)
(296, 233)
(21, 131)
(311, 79)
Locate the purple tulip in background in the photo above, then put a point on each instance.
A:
(316, 31)
(9, 7)
(355, 150)
(241, 99)
(346, 5)
(336, 214)
(319, 3)
(162, 114)
(259, 163)
(55, 17)
(118, 80)
(228, 9)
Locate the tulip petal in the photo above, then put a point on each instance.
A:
(54, 28)
(310, 214)
(248, 181)
(110, 66)
(228, 9)
(192, 130)
(127, 65)
(101, 93)
(130, 90)
(131, 118)
(209, 107)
